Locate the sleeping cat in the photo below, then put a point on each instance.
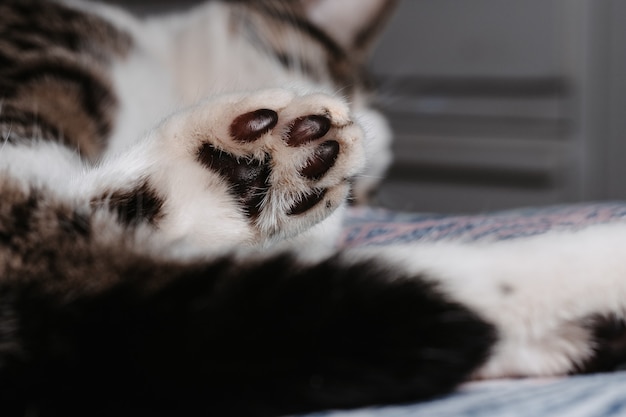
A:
(170, 195)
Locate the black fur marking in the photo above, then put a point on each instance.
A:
(76, 223)
(249, 179)
(38, 25)
(5, 60)
(28, 36)
(21, 220)
(365, 36)
(609, 340)
(291, 62)
(261, 339)
(35, 230)
(97, 98)
(21, 125)
(306, 27)
(340, 65)
(133, 206)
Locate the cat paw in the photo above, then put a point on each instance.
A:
(265, 166)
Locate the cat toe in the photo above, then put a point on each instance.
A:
(249, 127)
(307, 202)
(322, 161)
(307, 129)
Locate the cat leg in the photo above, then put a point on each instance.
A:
(558, 300)
(250, 168)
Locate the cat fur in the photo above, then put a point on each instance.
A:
(172, 190)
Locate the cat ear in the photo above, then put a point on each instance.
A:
(353, 24)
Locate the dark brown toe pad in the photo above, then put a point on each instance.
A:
(249, 127)
(307, 129)
(322, 160)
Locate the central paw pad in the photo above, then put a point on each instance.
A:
(248, 179)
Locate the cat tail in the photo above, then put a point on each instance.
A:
(231, 336)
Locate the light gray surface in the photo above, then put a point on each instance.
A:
(465, 145)
(599, 395)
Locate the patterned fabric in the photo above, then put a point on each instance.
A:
(370, 226)
(600, 395)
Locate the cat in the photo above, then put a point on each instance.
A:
(171, 192)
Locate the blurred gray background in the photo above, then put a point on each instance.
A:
(505, 103)
(500, 103)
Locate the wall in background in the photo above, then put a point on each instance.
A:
(504, 103)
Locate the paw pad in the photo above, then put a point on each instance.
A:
(322, 160)
(307, 202)
(284, 160)
(249, 127)
(307, 129)
(249, 179)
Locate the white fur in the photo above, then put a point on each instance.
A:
(555, 280)
(42, 164)
(378, 154)
(342, 19)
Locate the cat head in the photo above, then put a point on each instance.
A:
(326, 41)
(352, 24)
